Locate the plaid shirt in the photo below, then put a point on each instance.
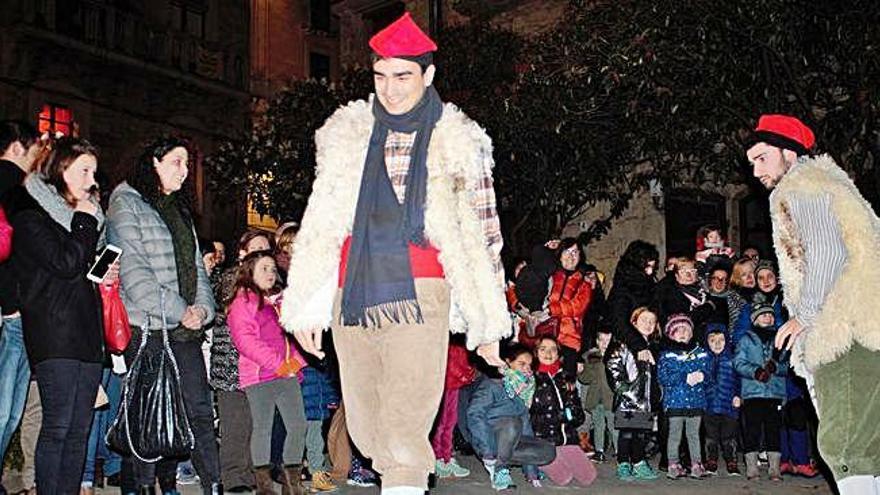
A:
(398, 148)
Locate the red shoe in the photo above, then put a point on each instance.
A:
(807, 470)
(787, 468)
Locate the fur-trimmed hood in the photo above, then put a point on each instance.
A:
(459, 154)
(842, 319)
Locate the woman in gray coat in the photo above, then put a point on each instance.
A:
(162, 271)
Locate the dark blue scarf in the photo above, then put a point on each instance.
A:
(379, 281)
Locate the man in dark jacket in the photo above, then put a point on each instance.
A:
(19, 144)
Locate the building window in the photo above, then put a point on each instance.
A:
(188, 19)
(55, 118)
(319, 66)
(319, 15)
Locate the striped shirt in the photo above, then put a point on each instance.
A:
(398, 149)
(824, 251)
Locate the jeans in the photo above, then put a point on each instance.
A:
(68, 388)
(690, 425)
(285, 395)
(101, 422)
(512, 447)
(199, 411)
(15, 373)
(315, 445)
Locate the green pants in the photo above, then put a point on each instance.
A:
(848, 398)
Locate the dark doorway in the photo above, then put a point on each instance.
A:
(686, 211)
(755, 227)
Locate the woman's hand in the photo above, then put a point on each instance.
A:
(193, 317)
(112, 274)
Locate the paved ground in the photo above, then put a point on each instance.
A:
(477, 483)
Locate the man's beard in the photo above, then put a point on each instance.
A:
(774, 181)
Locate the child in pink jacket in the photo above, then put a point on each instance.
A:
(267, 368)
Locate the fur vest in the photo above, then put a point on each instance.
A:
(458, 154)
(842, 319)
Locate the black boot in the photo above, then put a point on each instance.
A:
(216, 489)
(147, 490)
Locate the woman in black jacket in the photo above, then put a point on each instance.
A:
(57, 234)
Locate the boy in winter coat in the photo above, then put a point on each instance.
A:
(721, 421)
(682, 371)
(320, 397)
(599, 398)
(762, 369)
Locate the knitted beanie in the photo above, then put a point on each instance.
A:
(765, 265)
(678, 322)
(761, 307)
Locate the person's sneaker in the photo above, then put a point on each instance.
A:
(786, 467)
(733, 469)
(441, 469)
(362, 477)
(807, 470)
(489, 465)
(457, 470)
(599, 457)
(186, 475)
(675, 471)
(697, 471)
(711, 467)
(535, 483)
(501, 480)
(644, 471)
(625, 472)
(322, 482)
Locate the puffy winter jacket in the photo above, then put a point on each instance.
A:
(632, 381)
(596, 381)
(460, 371)
(262, 344)
(754, 351)
(556, 411)
(569, 299)
(722, 384)
(677, 360)
(319, 394)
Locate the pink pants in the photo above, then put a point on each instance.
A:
(448, 418)
(570, 464)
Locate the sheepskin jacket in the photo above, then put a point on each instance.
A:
(458, 154)
(841, 321)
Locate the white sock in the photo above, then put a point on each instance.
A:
(403, 490)
(859, 485)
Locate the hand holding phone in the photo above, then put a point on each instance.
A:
(104, 263)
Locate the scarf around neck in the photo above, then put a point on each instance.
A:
(550, 369)
(519, 384)
(56, 206)
(379, 282)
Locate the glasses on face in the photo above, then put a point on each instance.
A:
(719, 279)
(688, 271)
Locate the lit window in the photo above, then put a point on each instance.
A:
(55, 118)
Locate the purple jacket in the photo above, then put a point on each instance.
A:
(262, 344)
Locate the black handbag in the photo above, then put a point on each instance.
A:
(152, 421)
(634, 420)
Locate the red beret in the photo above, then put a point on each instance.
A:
(784, 131)
(402, 38)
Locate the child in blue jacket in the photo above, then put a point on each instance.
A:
(721, 422)
(320, 397)
(682, 372)
(762, 371)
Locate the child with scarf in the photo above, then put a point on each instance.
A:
(682, 373)
(762, 369)
(556, 414)
(499, 426)
(721, 422)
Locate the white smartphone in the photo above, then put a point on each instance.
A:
(101, 266)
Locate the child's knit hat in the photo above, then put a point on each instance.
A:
(760, 307)
(678, 322)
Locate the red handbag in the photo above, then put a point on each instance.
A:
(117, 331)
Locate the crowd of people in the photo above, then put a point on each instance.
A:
(205, 361)
(684, 367)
